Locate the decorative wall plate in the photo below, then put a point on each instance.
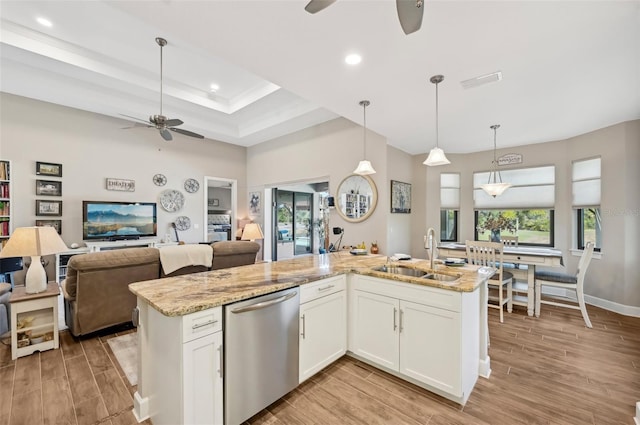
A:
(172, 200)
(191, 185)
(183, 223)
(160, 179)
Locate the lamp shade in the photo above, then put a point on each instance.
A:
(34, 242)
(364, 168)
(436, 157)
(251, 232)
(495, 189)
(30, 241)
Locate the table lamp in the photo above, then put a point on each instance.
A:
(34, 242)
(251, 232)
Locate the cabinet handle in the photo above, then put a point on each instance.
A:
(324, 288)
(202, 325)
(304, 327)
(221, 356)
(401, 314)
(395, 313)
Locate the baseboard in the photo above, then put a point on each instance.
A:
(625, 310)
(140, 407)
(637, 418)
(484, 368)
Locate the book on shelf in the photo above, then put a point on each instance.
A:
(4, 170)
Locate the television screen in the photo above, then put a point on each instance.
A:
(118, 220)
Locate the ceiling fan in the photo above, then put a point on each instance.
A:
(409, 12)
(162, 123)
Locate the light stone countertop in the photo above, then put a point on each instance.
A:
(181, 295)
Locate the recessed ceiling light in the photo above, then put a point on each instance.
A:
(214, 87)
(353, 59)
(44, 22)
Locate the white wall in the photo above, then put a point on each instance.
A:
(330, 149)
(615, 276)
(92, 147)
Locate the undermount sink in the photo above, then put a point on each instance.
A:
(407, 271)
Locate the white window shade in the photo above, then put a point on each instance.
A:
(586, 183)
(449, 191)
(532, 188)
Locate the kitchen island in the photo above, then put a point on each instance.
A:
(439, 326)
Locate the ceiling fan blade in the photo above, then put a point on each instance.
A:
(410, 14)
(137, 125)
(187, 133)
(135, 118)
(315, 6)
(166, 134)
(173, 122)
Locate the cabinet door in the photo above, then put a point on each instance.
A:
(430, 346)
(202, 380)
(375, 327)
(323, 332)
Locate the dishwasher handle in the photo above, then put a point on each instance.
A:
(264, 304)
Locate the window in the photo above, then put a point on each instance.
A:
(449, 206)
(531, 226)
(524, 210)
(586, 201)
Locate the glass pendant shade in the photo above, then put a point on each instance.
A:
(364, 167)
(436, 157)
(495, 188)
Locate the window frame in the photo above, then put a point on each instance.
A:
(456, 222)
(580, 228)
(551, 243)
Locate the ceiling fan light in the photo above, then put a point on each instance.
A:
(495, 189)
(364, 168)
(436, 157)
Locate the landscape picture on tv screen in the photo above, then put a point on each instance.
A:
(106, 220)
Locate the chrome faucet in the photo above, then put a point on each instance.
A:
(429, 244)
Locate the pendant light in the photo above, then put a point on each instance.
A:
(364, 167)
(436, 156)
(496, 188)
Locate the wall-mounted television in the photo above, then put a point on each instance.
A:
(109, 220)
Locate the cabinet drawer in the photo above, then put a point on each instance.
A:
(201, 323)
(312, 291)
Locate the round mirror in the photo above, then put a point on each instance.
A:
(356, 198)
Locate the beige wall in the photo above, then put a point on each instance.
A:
(332, 149)
(614, 277)
(399, 228)
(92, 147)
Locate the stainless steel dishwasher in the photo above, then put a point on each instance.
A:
(261, 353)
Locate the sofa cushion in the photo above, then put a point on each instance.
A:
(233, 254)
(104, 260)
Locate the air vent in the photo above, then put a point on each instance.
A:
(481, 80)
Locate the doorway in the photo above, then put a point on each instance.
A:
(220, 204)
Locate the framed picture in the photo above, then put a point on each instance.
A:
(121, 185)
(48, 188)
(53, 208)
(56, 224)
(48, 169)
(400, 197)
(254, 203)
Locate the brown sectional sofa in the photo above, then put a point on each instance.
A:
(96, 290)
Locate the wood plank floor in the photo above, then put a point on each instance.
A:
(550, 370)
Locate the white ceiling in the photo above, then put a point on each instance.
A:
(569, 67)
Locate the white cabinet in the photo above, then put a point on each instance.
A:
(180, 383)
(426, 335)
(323, 325)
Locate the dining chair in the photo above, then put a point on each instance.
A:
(489, 254)
(567, 282)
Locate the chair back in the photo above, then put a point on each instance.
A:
(583, 264)
(509, 240)
(483, 253)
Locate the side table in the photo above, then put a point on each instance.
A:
(37, 315)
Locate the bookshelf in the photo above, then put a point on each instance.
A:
(5, 201)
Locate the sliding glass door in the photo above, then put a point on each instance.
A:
(292, 224)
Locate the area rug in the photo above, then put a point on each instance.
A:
(125, 348)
